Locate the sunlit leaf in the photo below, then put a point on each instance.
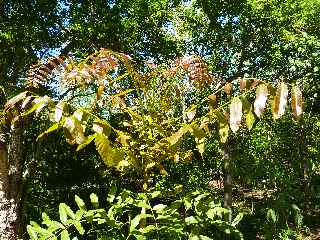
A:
(280, 101)
(235, 114)
(74, 130)
(88, 140)
(223, 125)
(261, 99)
(26, 102)
(296, 102)
(13, 101)
(247, 110)
(191, 114)
(200, 137)
(59, 111)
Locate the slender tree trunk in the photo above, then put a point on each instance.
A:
(11, 159)
(227, 183)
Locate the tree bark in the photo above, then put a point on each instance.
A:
(227, 184)
(11, 160)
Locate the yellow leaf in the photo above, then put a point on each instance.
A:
(74, 130)
(235, 114)
(223, 125)
(247, 109)
(261, 99)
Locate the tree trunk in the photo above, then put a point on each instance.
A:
(227, 184)
(11, 160)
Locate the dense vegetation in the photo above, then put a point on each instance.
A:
(159, 119)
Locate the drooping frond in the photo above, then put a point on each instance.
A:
(39, 72)
(197, 70)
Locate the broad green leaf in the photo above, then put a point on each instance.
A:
(235, 114)
(148, 229)
(174, 138)
(26, 101)
(79, 227)
(40, 103)
(62, 213)
(67, 210)
(280, 101)
(112, 194)
(261, 99)
(159, 207)
(65, 235)
(32, 233)
(296, 102)
(80, 203)
(13, 101)
(135, 222)
(191, 220)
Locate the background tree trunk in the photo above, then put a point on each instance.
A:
(11, 160)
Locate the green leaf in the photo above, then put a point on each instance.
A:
(272, 216)
(94, 200)
(135, 222)
(191, 220)
(237, 219)
(112, 194)
(79, 227)
(80, 203)
(67, 210)
(32, 233)
(62, 213)
(65, 235)
(159, 207)
(200, 137)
